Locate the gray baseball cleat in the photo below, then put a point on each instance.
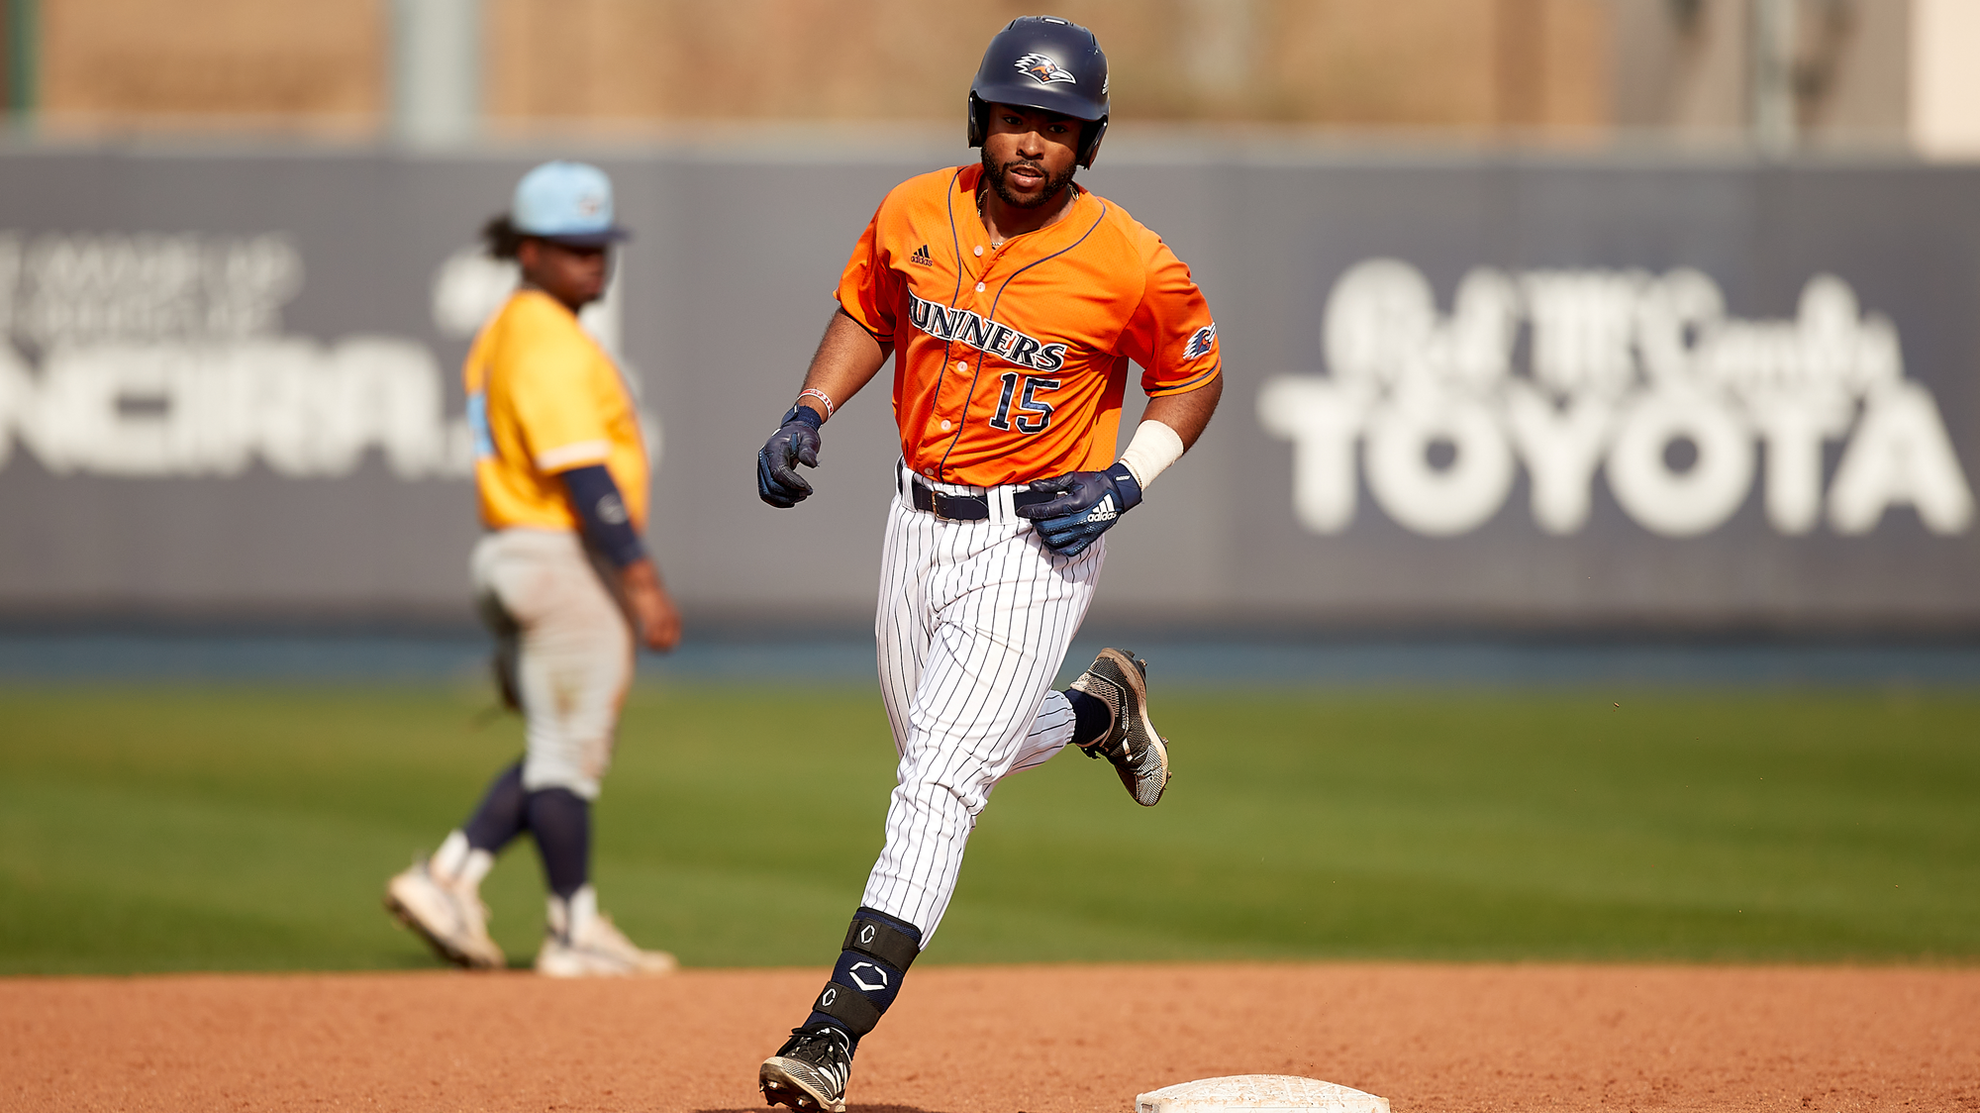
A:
(810, 1071)
(1118, 679)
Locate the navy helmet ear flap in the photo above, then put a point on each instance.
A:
(979, 120)
(1089, 141)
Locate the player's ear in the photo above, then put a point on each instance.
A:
(529, 252)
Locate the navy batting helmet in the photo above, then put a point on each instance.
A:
(1044, 62)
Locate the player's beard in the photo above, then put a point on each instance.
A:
(999, 177)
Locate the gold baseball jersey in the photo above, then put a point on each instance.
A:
(1011, 360)
(543, 398)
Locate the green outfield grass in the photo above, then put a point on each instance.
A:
(252, 828)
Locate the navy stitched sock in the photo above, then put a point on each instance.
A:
(1091, 717)
(561, 821)
(501, 815)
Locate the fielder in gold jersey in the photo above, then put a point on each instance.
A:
(561, 577)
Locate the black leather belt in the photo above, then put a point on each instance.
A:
(961, 508)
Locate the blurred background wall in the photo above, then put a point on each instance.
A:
(1887, 73)
(237, 275)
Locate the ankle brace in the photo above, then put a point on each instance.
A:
(878, 951)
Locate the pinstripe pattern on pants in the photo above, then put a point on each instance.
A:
(973, 623)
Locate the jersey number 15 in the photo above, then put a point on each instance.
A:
(1025, 402)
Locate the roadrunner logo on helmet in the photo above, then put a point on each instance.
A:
(1044, 69)
(1043, 62)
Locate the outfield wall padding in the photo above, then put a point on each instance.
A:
(1489, 391)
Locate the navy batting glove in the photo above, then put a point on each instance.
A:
(1085, 504)
(795, 442)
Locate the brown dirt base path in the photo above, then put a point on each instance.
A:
(1039, 1039)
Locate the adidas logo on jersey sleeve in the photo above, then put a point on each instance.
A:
(921, 257)
(960, 326)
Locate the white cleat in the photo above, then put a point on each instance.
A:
(454, 922)
(595, 947)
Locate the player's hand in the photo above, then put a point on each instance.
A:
(653, 609)
(795, 442)
(1084, 505)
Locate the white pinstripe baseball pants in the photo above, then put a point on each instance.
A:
(974, 621)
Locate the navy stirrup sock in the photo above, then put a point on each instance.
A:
(502, 815)
(561, 821)
(878, 950)
(559, 818)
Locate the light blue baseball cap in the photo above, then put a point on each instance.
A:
(569, 202)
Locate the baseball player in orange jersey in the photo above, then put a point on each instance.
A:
(561, 577)
(1011, 301)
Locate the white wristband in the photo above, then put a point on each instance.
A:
(1155, 446)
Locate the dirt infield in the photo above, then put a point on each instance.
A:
(1037, 1039)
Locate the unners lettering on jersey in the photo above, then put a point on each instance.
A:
(984, 334)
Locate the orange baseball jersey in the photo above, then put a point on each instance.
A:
(543, 398)
(1010, 362)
